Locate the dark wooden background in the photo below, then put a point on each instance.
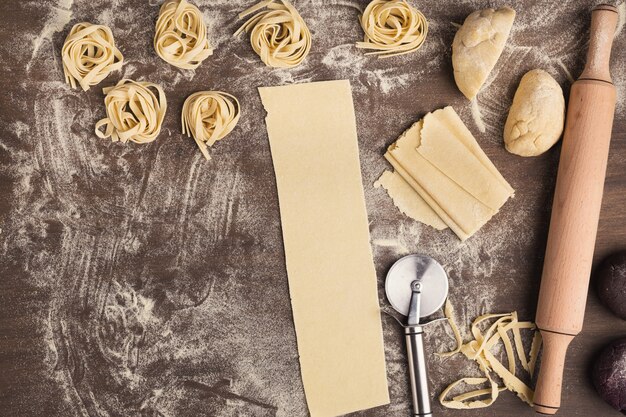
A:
(144, 280)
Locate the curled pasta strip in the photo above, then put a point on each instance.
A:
(181, 36)
(278, 35)
(89, 55)
(480, 350)
(134, 112)
(392, 27)
(209, 116)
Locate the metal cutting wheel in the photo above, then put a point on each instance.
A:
(416, 287)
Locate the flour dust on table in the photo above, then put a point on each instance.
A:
(111, 334)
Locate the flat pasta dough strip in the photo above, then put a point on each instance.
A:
(332, 280)
(534, 353)
(439, 141)
(448, 311)
(408, 201)
(424, 195)
(459, 402)
(453, 122)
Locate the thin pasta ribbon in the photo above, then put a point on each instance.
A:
(181, 35)
(209, 116)
(480, 350)
(89, 55)
(278, 35)
(134, 112)
(392, 27)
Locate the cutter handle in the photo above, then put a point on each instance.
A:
(418, 371)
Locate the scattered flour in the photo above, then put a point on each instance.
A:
(60, 16)
(167, 242)
(477, 116)
(567, 72)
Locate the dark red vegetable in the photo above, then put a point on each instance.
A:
(611, 283)
(609, 374)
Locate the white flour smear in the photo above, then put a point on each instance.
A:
(165, 272)
(60, 16)
(478, 117)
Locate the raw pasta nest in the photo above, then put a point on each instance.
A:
(181, 36)
(134, 112)
(209, 116)
(278, 35)
(392, 27)
(89, 55)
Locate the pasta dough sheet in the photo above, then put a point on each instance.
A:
(441, 161)
(408, 201)
(332, 280)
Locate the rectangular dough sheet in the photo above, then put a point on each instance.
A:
(442, 162)
(332, 280)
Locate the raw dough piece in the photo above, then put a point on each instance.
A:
(408, 201)
(89, 55)
(440, 159)
(611, 279)
(208, 116)
(480, 349)
(536, 118)
(392, 27)
(181, 37)
(134, 112)
(477, 46)
(332, 280)
(278, 35)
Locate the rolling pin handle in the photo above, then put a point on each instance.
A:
(548, 391)
(603, 24)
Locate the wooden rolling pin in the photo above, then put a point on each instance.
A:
(576, 209)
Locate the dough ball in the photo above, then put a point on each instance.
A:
(611, 280)
(609, 374)
(477, 46)
(536, 118)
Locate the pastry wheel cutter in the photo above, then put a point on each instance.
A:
(416, 287)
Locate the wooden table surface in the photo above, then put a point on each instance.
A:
(144, 280)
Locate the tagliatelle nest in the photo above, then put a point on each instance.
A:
(392, 27)
(89, 55)
(209, 116)
(181, 35)
(134, 112)
(278, 35)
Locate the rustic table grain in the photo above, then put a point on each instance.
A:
(144, 280)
